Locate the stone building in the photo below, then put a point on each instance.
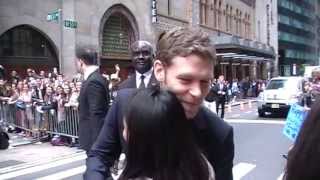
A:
(44, 33)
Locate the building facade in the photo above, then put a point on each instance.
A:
(45, 33)
(318, 29)
(297, 35)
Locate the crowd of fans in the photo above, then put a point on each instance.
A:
(36, 94)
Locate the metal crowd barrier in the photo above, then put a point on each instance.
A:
(39, 123)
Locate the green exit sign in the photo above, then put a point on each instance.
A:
(70, 24)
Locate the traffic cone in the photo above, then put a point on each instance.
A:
(229, 108)
(241, 105)
(250, 104)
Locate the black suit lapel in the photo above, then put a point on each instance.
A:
(132, 81)
(153, 81)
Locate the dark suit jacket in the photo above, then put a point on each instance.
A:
(131, 82)
(214, 136)
(221, 97)
(93, 107)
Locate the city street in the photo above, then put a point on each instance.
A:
(62, 63)
(259, 145)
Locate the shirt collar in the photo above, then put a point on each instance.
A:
(89, 70)
(146, 74)
(147, 77)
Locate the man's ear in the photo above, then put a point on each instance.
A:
(159, 70)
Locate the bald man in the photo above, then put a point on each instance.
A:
(142, 59)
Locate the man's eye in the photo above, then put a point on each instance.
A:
(205, 83)
(185, 80)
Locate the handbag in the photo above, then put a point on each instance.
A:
(21, 105)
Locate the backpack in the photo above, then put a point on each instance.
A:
(4, 139)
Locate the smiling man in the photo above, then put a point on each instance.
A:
(184, 65)
(142, 59)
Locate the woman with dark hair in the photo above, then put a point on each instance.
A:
(303, 158)
(160, 144)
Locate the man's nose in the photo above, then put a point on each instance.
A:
(140, 55)
(195, 90)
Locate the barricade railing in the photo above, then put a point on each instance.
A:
(38, 123)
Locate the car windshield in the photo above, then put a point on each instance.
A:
(277, 84)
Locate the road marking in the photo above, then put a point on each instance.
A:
(39, 162)
(64, 174)
(235, 115)
(41, 167)
(280, 177)
(248, 112)
(241, 170)
(246, 121)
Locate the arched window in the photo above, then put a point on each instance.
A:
(117, 37)
(26, 46)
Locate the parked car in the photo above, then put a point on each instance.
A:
(279, 94)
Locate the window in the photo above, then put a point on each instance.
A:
(215, 13)
(227, 17)
(240, 23)
(203, 11)
(219, 15)
(249, 26)
(169, 8)
(237, 22)
(230, 20)
(25, 41)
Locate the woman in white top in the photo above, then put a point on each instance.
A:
(160, 143)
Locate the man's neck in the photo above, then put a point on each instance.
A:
(89, 69)
(145, 73)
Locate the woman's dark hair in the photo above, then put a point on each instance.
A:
(304, 157)
(160, 141)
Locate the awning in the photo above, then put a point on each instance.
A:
(233, 47)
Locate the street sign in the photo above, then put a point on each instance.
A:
(70, 24)
(53, 16)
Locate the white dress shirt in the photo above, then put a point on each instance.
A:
(147, 77)
(89, 70)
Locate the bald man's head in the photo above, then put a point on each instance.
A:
(142, 56)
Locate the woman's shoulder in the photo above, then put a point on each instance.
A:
(210, 169)
(141, 178)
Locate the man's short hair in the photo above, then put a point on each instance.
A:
(87, 54)
(184, 42)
